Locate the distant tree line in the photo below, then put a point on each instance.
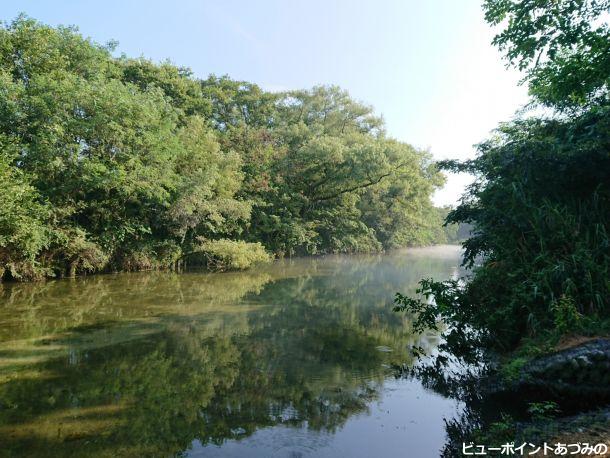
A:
(123, 164)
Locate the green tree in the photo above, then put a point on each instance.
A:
(562, 45)
(23, 217)
(137, 165)
(540, 207)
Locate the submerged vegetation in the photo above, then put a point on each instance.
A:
(113, 163)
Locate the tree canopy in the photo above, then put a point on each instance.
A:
(562, 45)
(121, 163)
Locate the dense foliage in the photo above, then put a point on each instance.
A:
(119, 163)
(562, 45)
(540, 207)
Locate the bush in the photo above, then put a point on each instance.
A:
(78, 253)
(567, 318)
(227, 254)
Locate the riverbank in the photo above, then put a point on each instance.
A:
(563, 389)
(214, 257)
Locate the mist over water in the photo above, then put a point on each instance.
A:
(290, 359)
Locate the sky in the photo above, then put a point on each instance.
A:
(427, 66)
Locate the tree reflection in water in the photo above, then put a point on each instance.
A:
(145, 364)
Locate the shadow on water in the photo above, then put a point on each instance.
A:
(155, 364)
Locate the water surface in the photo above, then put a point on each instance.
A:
(293, 359)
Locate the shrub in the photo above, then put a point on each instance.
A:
(566, 315)
(227, 254)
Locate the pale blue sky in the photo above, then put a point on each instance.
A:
(426, 65)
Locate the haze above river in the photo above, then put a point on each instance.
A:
(290, 359)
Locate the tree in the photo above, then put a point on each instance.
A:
(562, 45)
(137, 165)
(23, 217)
(540, 207)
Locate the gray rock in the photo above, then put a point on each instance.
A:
(582, 370)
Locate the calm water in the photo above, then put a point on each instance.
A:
(292, 359)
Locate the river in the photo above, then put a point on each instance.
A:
(293, 359)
